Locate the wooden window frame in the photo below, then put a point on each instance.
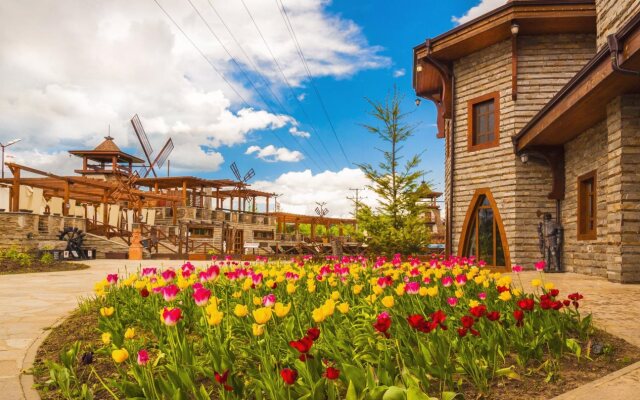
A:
(495, 96)
(590, 234)
(498, 226)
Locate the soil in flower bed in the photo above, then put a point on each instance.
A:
(534, 383)
(11, 267)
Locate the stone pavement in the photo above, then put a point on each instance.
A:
(32, 303)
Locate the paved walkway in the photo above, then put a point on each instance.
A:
(31, 303)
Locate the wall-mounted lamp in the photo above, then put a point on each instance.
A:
(515, 28)
(419, 68)
(524, 157)
(417, 101)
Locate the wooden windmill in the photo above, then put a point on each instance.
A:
(162, 156)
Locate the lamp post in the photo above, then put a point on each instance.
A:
(11, 142)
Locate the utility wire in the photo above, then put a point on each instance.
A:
(248, 78)
(244, 101)
(292, 33)
(265, 82)
(286, 81)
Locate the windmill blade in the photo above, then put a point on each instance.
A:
(236, 171)
(161, 158)
(326, 211)
(318, 211)
(142, 136)
(249, 175)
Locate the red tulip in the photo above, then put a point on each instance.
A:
(519, 316)
(332, 373)
(313, 333)
(289, 376)
(303, 345)
(222, 379)
(493, 315)
(467, 321)
(478, 311)
(526, 304)
(383, 323)
(462, 332)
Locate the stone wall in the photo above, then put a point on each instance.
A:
(612, 15)
(545, 64)
(26, 230)
(623, 189)
(584, 154)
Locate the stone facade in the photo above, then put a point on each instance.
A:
(613, 14)
(545, 64)
(26, 230)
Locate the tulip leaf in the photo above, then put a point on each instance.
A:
(351, 392)
(414, 393)
(355, 375)
(450, 395)
(394, 393)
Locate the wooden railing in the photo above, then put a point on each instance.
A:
(108, 231)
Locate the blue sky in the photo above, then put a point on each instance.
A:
(75, 69)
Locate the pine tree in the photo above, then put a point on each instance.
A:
(397, 224)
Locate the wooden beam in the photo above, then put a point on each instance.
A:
(15, 190)
(184, 193)
(65, 200)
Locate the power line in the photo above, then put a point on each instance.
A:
(286, 81)
(292, 33)
(262, 78)
(246, 75)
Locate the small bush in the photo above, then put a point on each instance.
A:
(47, 258)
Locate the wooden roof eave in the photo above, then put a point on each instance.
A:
(533, 16)
(432, 80)
(581, 103)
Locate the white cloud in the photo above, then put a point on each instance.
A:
(271, 153)
(74, 68)
(301, 190)
(302, 96)
(399, 72)
(484, 7)
(295, 132)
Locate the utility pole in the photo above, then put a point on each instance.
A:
(12, 142)
(275, 196)
(356, 199)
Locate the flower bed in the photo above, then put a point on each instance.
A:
(352, 329)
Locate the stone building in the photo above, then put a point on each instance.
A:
(538, 102)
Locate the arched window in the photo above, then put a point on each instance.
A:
(483, 232)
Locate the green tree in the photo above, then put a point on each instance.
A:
(397, 224)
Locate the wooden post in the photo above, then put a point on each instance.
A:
(156, 188)
(105, 212)
(231, 203)
(114, 161)
(65, 200)
(217, 198)
(267, 211)
(174, 212)
(313, 231)
(184, 193)
(15, 189)
(253, 204)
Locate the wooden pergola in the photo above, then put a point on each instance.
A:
(284, 218)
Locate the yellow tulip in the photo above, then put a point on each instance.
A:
(257, 329)
(215, 317)
(377, 290)
(423, 291)
(120, 355)
(505, 296)
(400, 289)
(432, 291)
(311, 288)
(247, 284)
(281, 310)
(106, 338)
(107, 311)
(343, 307)
(357, 289)
(335, 295)
(139, 285)
(183, 284)
(329, 307)
(257, 301)
(262, 315)
(474, 303)
(270, 283)
(214, 301)
(291, 288)
(318, 315)
(371, 298)
(130, 280)
(459, 293)
(241, 310)
(516, 292)
(129, 333)
(280, 279)
(549, 285)
(536, 282)
(388, 301)
(480, 279)
(236, 295)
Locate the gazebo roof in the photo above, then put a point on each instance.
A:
(105, 151)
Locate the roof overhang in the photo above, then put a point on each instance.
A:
(581, 103)
(99, 155)
(432, 70)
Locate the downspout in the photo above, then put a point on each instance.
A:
(614, 50)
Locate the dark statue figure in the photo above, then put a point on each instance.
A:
(550, 236)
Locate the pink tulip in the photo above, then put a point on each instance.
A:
(149, 271)
(201, 296)
(170, 292)
(447, 281)
(452, 301)
(169, 275)
(171, 316)
(143, 357)
(540, 265)
(112, 279)
(269, 300)
(482, 295)
(461, 279)
(412, 287)
(516, 268)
